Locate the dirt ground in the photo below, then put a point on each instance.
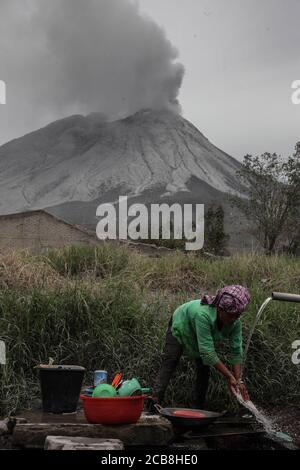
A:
(288, 420)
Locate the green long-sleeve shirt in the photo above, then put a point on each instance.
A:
(195, 327)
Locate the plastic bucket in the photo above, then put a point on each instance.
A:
(60, 387)
(116, 410)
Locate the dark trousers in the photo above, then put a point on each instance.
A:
(172, 354)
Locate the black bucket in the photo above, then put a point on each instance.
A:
(60, 386)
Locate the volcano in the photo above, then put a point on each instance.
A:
(72, 165)
(87, 158)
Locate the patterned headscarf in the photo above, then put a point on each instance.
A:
(232, 299)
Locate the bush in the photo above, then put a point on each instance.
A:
(101, 260)
(118, 321)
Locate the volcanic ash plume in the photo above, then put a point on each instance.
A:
(76, 56)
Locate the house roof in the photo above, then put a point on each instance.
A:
(20, 215)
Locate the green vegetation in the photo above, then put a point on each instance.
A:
(215, 237)
(272, 187)
(108, 307)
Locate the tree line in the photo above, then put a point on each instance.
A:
(269, 198)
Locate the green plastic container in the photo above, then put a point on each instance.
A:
(129, 388)
(104, 390)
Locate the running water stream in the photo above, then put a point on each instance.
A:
(260, 417)
(266, 422)
(258, 316)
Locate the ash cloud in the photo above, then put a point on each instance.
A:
(62, 57)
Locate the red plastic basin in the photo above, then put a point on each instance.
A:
(117, 410)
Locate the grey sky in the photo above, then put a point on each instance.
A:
(240, 58)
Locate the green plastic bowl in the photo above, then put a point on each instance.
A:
(104, 390)
(129, 388)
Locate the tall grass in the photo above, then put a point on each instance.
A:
(100, 261)
(58, 305)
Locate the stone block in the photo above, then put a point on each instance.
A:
(81, 443)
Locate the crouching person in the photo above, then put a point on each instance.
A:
(194, 329)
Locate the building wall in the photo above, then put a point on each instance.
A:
(39, 230)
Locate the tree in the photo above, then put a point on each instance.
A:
(215, 237)
(272, 188)
(293, 223)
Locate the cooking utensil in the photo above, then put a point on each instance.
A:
(104, 390)
(187, 417)
(100, 377)
(189, 414)
(117, 379)
(130, 387)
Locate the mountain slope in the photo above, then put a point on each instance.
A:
(87, 158)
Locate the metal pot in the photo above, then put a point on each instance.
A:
(172, 414)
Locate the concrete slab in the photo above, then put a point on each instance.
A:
(148, 431)
(81, 443)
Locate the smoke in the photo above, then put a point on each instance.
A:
(61, 57)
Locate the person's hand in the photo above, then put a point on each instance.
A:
(232, 384)
(243, 391)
